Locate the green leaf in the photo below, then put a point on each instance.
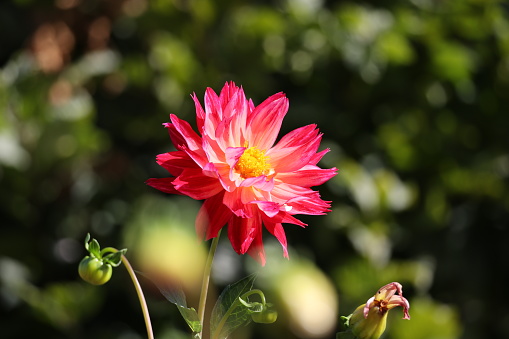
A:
(252, 307)
(229, 312)
(346, 320)
(114, 259)
(176, 295)
(94, 248)
(87, 239)
(191, 317)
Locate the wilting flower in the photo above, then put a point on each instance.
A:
(245, 178)
(368, 321)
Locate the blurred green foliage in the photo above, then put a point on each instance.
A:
(410, 97)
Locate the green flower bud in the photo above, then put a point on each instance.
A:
(369, 320)
(267, 316)
(94, 271)
(371, 327)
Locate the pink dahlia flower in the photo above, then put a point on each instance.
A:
(246, 178)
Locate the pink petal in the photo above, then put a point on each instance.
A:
(163, 184)
(368, 306)
(260, 183)
(213, 111)
(406, 315)
(239, 110)
(223, 172)
(233, 155)
(286, 191)
(398, 300)
(289, 219)
(237, 201)
(307, 176)
(223, 135)
(318, 156)
(284, 218)
(213, 215)
(387, 291)
(212, 149)
(271, 209)
(228, 92)
(265, 121)
(210, 170)
(200, 113)
(180, 143)
(293, 153)
(192, 141)
(310, 205)
(298, 136)
(176, 138)
(193, 183)
(302, 200)
(232, 102)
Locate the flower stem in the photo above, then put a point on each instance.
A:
(206, 279)
(141, 297)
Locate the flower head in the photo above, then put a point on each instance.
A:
(369, 320)
(246, 178)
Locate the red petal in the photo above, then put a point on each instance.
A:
(163, 184)
(182, 130)
(238, 201)
(242, 232)
(175, 162)
(318, 156)
(256, 250)
(194, 184)
(276, 229)
(213, 215)
(286, 218)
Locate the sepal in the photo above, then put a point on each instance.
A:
(96, 268)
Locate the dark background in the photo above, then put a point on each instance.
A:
(412, 99)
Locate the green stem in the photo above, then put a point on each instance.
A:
(139, 291)
(206, 279)
(225, 317)
(108, 250)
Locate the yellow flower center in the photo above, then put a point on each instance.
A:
(253, 163)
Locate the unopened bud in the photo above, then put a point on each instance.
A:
(94, 271)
